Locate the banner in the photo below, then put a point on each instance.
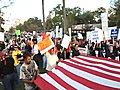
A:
(107, 33)
(65, 42)
(104, 19)
(118, 35)
(17, 32)
(97, 35)
(45, 45)
(1, 36)
(69, 30)
(80, 36)
(34, 32)
(57, 28)
(114, 33)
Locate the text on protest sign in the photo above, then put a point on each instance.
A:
(114, 33)
(45, 45)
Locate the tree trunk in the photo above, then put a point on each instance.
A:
(64, 16)
(44, 26)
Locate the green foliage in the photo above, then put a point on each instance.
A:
(74, 16)
(32, 24)
(117, 12)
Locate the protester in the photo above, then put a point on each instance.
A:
(7, 70)
(2, 45)
(18, 59)
(75, 51)
(28, 72)
(52, 59)
(92, 49)
(111, 53)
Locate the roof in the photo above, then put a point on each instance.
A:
(83, 26)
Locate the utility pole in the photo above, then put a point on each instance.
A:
(64, 17)
(44, 25)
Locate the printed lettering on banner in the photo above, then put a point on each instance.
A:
(45, 45)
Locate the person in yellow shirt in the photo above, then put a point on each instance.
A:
(17, 56)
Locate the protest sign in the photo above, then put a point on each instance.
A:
(69, 30)
(80, 36)
(114, 33)
(65, 42)
(88, 35)
(1, 36)
(97, 35)
(45, 45)
(118, 35)
(17, 32)
(34, 32)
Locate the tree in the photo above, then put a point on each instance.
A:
(55, 17)
(97, 13)
(117, 12)
(44, 25)
(5, 5)
(32, 24)
(12, 30)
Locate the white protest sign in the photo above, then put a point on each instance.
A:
(34, 32)
(107, 33)
(1, 36)
(104, 18)
(88, 35)
(97, 35)
(57, 29)
(118, 35)
(60, 33)
(53, 34)
(69, 30)
(80, 36)
(66, 40)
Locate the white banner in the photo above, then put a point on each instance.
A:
(107, 33)
(1, 36)
(57, 28)
(104, 19)
(65, 42)
(69, 30)
(97, 35)
(88, 35)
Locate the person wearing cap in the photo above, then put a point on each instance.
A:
(7, 70)
(17, 56)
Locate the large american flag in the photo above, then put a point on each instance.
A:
(82, 73)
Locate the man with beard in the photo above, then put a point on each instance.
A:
(28, 72)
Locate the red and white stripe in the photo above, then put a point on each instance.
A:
(82, 73)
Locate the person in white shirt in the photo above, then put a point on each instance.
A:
(52, 59)
(28, 72)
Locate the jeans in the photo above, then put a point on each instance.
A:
(44, 61)
(9, 82)
(18, 74)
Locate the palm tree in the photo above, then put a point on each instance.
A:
(64, 16)
(44, 26)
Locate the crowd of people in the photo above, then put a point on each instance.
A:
(21, 60)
